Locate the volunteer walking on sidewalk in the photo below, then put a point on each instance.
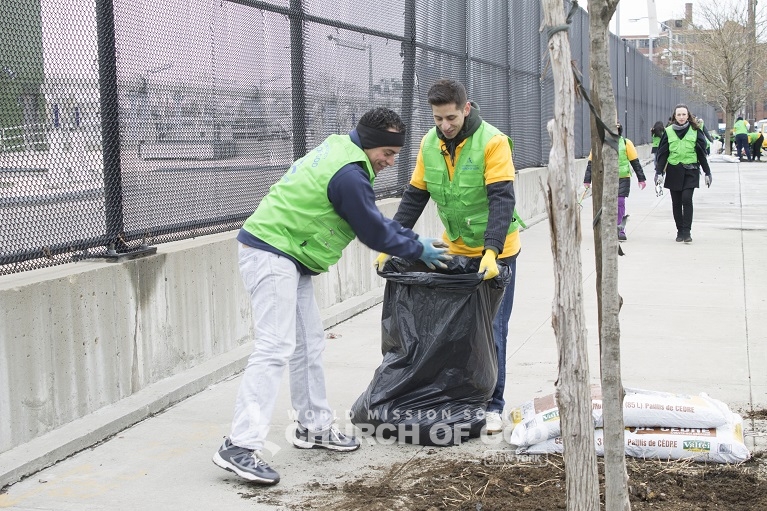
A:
(299, 230)
(740, 129)
(627, 159)
(681, 155)
(465, 166)
(656, 132)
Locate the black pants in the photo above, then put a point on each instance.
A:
(681, 204)
(741, 142)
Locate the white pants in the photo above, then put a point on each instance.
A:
(288, 329)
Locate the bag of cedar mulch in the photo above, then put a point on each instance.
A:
(723, 444)
(717, 445)
(538, 420)
(651, 408)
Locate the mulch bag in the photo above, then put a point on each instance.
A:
(723, 444)
(439, 364)
(538, 420)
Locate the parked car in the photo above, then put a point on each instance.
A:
(763, 129)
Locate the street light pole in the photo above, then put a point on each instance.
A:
(670, 42)
(362, 47)
(670, 47)
(650, 44)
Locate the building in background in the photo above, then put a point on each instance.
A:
(668, 51)
(671, 51)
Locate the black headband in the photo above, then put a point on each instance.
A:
(373, 137)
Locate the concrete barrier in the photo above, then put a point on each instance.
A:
(90, 348)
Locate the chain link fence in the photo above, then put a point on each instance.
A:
(128, 124)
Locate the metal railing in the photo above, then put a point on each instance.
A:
(157, 124)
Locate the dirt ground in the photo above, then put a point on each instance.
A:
(540, 486)
(437, 484)
(534, 483)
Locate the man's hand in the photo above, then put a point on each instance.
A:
(658, 179)
(434, 252)
(707, 179)
(487, 265)
(642, 184)
(587, 185)
(381, 261)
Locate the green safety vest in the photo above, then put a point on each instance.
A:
(296, 215)
(462, 202)
(624, 167)
(740, 127)
(681, 150)
(655, 141)
(702, 127)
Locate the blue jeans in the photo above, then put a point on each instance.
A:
(500, 333)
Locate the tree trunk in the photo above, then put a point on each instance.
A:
(729, 116)
(604, 176)
(573, 394)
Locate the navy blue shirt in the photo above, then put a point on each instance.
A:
(353, 198)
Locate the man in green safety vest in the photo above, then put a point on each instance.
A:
(741, 138)
(298, 231)
(465, 166)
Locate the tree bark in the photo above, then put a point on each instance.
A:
(573, 393)
(604, 176)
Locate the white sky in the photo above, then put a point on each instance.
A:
(665, 10)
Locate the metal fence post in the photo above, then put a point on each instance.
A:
(110, 124)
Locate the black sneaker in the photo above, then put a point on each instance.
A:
(246, 463)
(688, 239)
(330, 438)
(679, 238)
(621, 236)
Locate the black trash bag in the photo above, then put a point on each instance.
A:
(439, 367)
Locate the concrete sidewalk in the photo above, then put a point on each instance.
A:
(694, 320)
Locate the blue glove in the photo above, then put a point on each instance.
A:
(434, 252)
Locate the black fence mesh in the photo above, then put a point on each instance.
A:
(126, 124)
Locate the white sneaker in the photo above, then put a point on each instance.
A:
(494, 422)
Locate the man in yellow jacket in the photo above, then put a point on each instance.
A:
(755, 140)
(628, 158)
(464, 164)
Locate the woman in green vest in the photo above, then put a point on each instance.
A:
(656, 132)
(681, 155)
(709, 139)
(628, 159)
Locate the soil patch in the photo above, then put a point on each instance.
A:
(428, 484)
(755, 414)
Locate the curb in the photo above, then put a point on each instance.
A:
(82, 433)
